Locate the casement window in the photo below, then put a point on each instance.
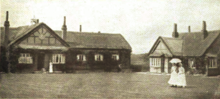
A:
(25, 58)
(81, 57)
(98, 57)
(115, 57)
(212, 63)
(156, 62)
(58, 59)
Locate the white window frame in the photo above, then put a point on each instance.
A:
(58, 59)
(81, 57)
(155, 62)
(98, 57)
(25, 58)
(115, 57)
(213, 63)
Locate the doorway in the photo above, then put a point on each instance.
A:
(166, 64)
(40, 61)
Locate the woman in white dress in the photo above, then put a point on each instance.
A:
(181, 76)
(51, 67)
(173, 76)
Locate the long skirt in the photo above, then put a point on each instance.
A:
(51, 69)
(181, 80)
(173, 78)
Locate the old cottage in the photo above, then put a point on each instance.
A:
(38, 44)
(199, 51)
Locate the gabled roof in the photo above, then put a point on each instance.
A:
(172, 44)
(194, 43)
(189, 44)
(74, 39)
(175, 45)
(96, 40)
(25, 30)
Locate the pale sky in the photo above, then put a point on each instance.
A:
(141, 22)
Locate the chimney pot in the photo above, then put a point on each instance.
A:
(189, 29)
(6, 15)
(64, 22)
(80, 28)
(204, 26)
(7, 33)
(204, 31)
(175, 33)
(175, 27)
(64, 29)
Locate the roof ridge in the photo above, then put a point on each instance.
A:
(199, 31)
(170, 38)
(85, 32)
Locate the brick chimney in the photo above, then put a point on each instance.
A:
(6, 35)
(204, 31)
(175, 33)
(64, 29)
(80, 28)
(189, 30)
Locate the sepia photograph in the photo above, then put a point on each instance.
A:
(111, 49)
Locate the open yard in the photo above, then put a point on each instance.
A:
(104, 85)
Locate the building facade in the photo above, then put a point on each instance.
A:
(199, 52)
(37, 45)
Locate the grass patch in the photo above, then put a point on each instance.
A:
(103, 85)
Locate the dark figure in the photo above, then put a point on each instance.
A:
(119, 68)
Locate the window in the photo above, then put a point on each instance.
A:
(212, 63)
(98, 57)
(115, 57)
(81, 57)
(25, 58)
(156, 62)
(58, 59)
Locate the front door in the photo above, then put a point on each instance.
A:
(166, 65)
(40, 61)
(162, 64)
